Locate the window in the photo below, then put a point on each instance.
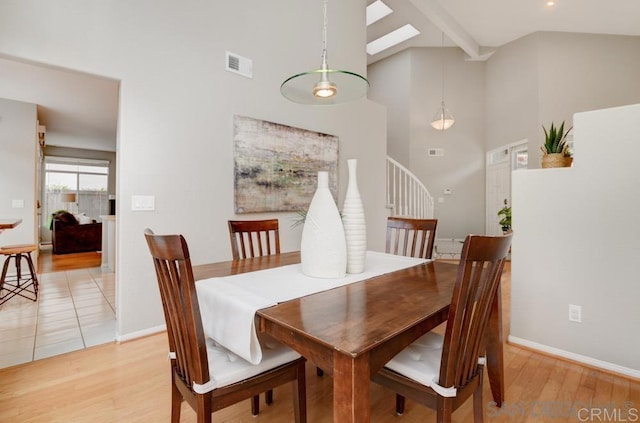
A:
(498, 156)
(87, 179)
(520, 157)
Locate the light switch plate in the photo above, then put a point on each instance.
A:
(17, 204)
(575, 313)
(143, 202)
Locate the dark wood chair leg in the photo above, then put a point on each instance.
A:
(5, 268)
(255, 405)
(34, 275)
(399, 405)
(268, 397)
(478, 412)
(176, 401)
(300, 395)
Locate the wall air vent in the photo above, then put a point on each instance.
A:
(238, 64)
(435, 152)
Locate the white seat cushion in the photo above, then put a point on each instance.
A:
(226, 368)
(420, 361)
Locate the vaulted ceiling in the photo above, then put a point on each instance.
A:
(479, 26)
(80, 110)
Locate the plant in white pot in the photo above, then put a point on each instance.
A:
(555, 150)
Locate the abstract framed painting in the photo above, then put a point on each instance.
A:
(276, 166)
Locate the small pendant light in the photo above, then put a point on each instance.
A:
(324, 86)
(443, 119)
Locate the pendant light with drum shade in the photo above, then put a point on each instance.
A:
(324, 86)
(443, 118)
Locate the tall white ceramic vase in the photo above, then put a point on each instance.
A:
(323, 249)
(353, 219)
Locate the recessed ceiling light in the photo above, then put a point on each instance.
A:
(376, 11)
(550, 3)
(391, 39)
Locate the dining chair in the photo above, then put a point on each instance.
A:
(411, 237)
(254, 238)
(205, 374)
(443, 372)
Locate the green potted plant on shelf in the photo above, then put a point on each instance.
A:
(555, 150)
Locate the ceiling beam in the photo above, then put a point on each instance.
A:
(452, 29)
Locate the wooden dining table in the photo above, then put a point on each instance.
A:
(351, 331)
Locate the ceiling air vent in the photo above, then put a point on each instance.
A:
(238, 64)
(435, 152)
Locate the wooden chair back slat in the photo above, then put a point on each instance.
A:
(473, 300)
(481, 264)
(180, 305)
(254, 238)
(411, 237)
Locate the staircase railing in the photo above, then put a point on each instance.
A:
(406, 195)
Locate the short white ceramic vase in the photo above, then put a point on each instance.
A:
(323, 249)
(353, 219)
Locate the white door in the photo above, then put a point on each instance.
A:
(500, 163)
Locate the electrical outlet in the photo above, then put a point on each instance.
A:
(575, 313)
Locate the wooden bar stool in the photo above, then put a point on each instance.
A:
(18, 285)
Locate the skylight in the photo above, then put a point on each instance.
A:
(391, 39)
(376, 11)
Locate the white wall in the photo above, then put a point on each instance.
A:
(512, 95)
(391, 85)
(93, 118)
(410, 134)
(177, 105)
(576, 242)
(18, 169)
(549, 76)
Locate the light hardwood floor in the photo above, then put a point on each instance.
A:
(49, 262)
(129, 382)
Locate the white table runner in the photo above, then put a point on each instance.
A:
(228, 304)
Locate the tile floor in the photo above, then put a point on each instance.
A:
(75, 310)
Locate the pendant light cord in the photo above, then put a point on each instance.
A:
(442, 59)
(324, 35)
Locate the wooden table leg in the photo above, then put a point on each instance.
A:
(351, 388)
(495, 353)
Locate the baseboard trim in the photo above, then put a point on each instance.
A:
(582, 359)
(140, 333)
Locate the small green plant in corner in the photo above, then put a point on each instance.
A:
(505, 217)
(555, 140)
(299, 218)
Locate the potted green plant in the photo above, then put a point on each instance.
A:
(555, 150)
(505, 217)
